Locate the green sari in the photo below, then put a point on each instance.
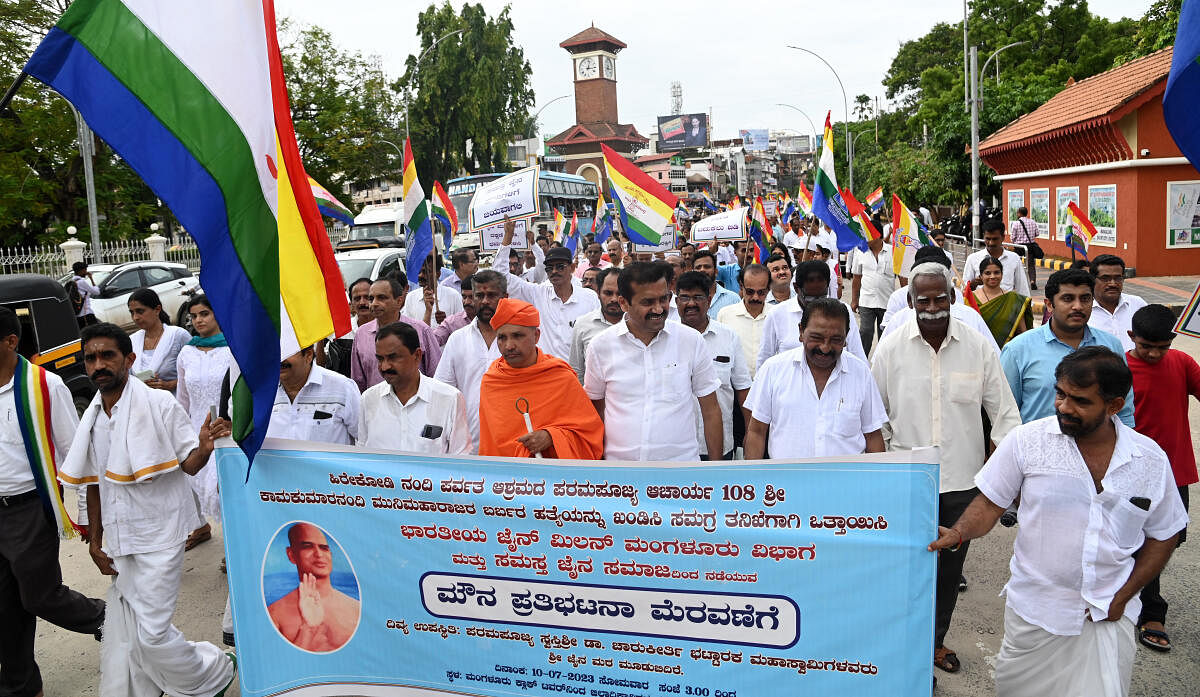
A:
(1003, 315)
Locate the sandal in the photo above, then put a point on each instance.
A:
(198, 536)
(946, 659)
(1145, 636)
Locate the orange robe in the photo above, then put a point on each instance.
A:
(557, 404)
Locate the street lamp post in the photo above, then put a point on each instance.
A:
(810, 122)
(539, 111)
(416, 67)
(976, 103)
(398, 152)
(846, 107)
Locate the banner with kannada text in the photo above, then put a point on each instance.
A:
(370, 573)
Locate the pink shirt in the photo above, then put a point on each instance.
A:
(364, 369)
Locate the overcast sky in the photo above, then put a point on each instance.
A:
(731, 58)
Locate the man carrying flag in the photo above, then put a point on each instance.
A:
(828, 205)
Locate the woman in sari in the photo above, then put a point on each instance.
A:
(156, 344)
(1007, 313)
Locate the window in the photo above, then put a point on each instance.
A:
(123, 283)
(155, 275)
(181, 273)
(389, 265)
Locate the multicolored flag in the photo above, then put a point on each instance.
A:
(204, 119)
(828, 205)
(859, 213)
(645, 207)
(602, 223)
(875, 199)
(572, 242)
(1183, 84)
(443, 209)
(761, 231)
(789, 208)
(560, 226)
(1082, 231)
(804, 199)
(907, 237)
(708, 202)
(735, 202)
(328, 204)
(416, 210)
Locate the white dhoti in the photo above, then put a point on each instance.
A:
(1033, 662)
(143, 654)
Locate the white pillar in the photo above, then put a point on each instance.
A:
(158, 247)
(73, 250)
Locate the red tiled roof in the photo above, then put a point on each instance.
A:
(593, 35)
(1094, 98)
(599, 131)
(652, 158)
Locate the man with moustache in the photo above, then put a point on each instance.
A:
(562, 422)
(409, 411)
(782, 329)
(729, 274)
(1100, 516)
(815, 400)
(934, 375)
(360, 302)
(748, 317)
(780, 268)
(312, 403)
(589, 326)
(645, 375)
(457, 320)
(387, 298)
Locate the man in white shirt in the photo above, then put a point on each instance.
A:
(782, 329)
(470, 350)
(559, 301)
(748, 317)
(1113, 308)
(419, 303)
(645, 375)
(874, 281)
(993, 246)
(408, 411)
(815, 400)
(1100, 516)
(900, 313)
(312, 403)
(87, 291)
(589, 326)
(934, 375)
(692, 293)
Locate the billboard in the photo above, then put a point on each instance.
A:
(682, 131)
(754, 139)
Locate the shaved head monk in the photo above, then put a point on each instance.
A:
(316, 616)
(564, 424)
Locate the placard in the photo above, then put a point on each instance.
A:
(770, 206)
(665, 244)
(1039, 211)
(1183, 215)
(513, 196)
(491, 236)
(1016, 201)
(1062, 218)
(1189, 319)
(1102, 211)
(730, 225)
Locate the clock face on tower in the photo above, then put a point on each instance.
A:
(587, 68)
(610, 68)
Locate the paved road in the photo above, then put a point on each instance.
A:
(69, 661)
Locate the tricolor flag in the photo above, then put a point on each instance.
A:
(804, 199)
(443, 210)
(735, 202)
(760, 230)
(644, 205)
(828, 205)
(708, 202)
(859, 213)
(1183, 84)
(192, 96)
(416, 210)
(875, 199)
(328, 204)
(572, 242)
(560, 227)
(789, 208)
(1082, 230)
(602, 223)
(907, 237)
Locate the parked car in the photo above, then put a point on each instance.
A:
(49, 331)
(369, 263)
(174, 283)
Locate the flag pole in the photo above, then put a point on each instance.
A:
(12, 90)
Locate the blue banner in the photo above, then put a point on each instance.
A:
(372, 573)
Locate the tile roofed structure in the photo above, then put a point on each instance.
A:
(592, 35)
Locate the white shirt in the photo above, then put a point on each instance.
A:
(325, 410)
(725, 254)
(556, 316)
(748, 329)
(448, 301)
(465, 358)
(962, 313)
(16, 477)
(1014, 270)
(784, 397)
(782, 331)
(87, 291)
(433, 421)
(586, 328)
(1073, 548)
(649, 392)
(878, 279)
(933, 398)
(731, 370)
(1117, 323)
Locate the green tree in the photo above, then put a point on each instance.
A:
(862, 107)
(1155, 31)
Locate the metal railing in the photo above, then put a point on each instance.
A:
(44, 259)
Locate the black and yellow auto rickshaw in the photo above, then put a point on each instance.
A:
(49, 331)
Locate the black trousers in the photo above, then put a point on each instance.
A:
(30, 587)
(950, 564)
(1154, 606)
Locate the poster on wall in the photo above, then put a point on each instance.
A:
(1016, 201)
(1183, 215)
(1102, 211)
(1039, 210)
(1062, 217)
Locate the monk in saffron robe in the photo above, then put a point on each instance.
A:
(564, 424)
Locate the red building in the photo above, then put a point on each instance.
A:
(1102, 143)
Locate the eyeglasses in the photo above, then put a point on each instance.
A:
(688, 299)
(558, 266)
(1111, 279)
(756, 293)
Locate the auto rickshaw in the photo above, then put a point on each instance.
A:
(49, 330)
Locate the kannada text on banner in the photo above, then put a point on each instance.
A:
(390, 574)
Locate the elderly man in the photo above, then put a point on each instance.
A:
(692, 291)
(593, 256)
(562, 422)
(705, 262)
(748, 317)
(470, 350)
(1113, 308)
(460, 319)
(386, 295)
(1100, 516)
(140, 511)
(589, 326)
(312, 403)
(463, 263)
(408, 411)
(644, 375)
(935, 374)
(315, 616)
(782, 329)
(815, 400)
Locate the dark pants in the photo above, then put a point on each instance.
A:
(950, 564)
(726, 456)
(1031, 267)
(86, 320)
(1154, 606)
(30, 587)
(870, 319)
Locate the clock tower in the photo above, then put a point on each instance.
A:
(594, 72)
